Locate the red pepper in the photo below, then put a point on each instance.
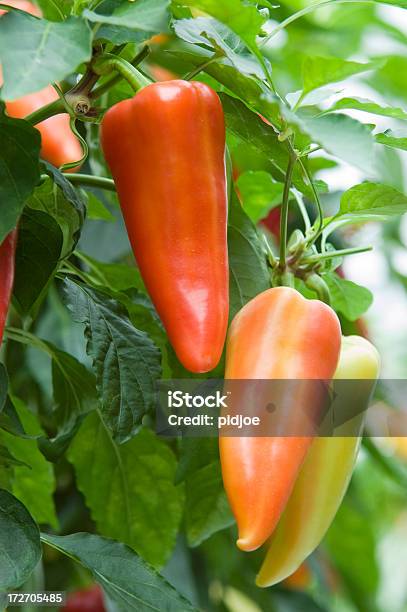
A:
(59, 145)
(85, 600)
(165, 148)
(277, 335)
(7, 255)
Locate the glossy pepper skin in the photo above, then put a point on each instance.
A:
(277, 335)
(165, 148)
(7, 256)
(58, 144)
(324, 476)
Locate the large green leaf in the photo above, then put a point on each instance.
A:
(241, 17)
(252, 130)
(127, 580)
(392, 139)
(367, 106)
(320, 71)
(127, 487)
(33, 481)
(372, 200)
(207, 510)
(259, 193)
(344, 137)
(51, 51)
(347, 297)
(19, 169)
(248, 273)
(20, 548)
(40, 242)
(145, 15)
(125, 360)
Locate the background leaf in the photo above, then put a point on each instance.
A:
(20, 548)
(126, 579)
(127, 488)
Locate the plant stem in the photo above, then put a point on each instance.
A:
(292, 158)
(316, 198)
(339, 253)
(109, 63)
(88, 180)
(302, 209)
(99, 91)
(54, 108)
(198, 69)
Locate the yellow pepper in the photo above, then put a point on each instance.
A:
(324, 476)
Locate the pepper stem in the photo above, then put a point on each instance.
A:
(111, 63)
(292, 158)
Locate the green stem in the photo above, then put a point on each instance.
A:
(292, 158)
(54, 108)
(339, 253)
(316, 198)
(317, 284)
(99, 91)
(302, 209)
(88, 180)
(198, 69)
(109, 63)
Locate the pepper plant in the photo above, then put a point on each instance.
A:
(314, 126)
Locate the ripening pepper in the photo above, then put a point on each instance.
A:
(165, 148)
(7, 256)
(59, 145)
(326, 472)
(277, 335)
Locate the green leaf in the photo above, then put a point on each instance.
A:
(240, 81)
(20, 548)
(8, 460)
(248, 273)
(243, 18)
(195, 453)
(392, 139)
(127, 488)
(118, 277)
(126, 579)
(372, 200)
(40, 241)
(65, 207)
(3, 386)
(97, 210)
(33, 482)
(55, 10)
(344, 137)
(355, 555)
(207, 510)
(390, 79)
(125, 360)
(348, 298)
(68, 207)
(51, 51)
(320, 71)
(259, 193)
(74, 389)
(368, 106)
(210, 33)
(252, 130)
(146, 15)
(19, 168)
